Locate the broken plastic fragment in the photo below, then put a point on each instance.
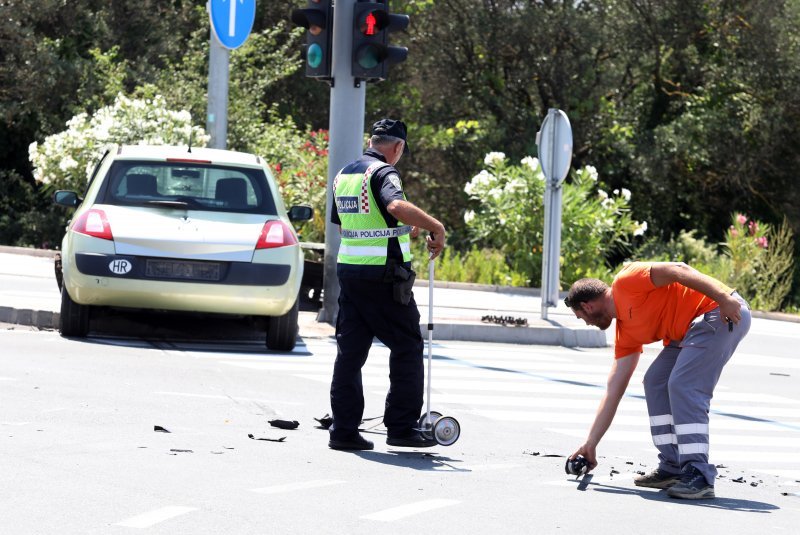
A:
(159, 429)
(250, 435)
(325, 422)
(284, 424)
(181, 451)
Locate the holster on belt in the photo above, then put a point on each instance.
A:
(402, 280)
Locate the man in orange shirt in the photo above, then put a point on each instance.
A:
(701, 321)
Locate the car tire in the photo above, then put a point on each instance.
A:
(282, 330)
(74, 319)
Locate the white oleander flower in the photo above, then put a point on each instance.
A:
(640, 230)
(493, 158)
(592, 172)
(531, 162)
(626, 194)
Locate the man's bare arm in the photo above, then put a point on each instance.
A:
(663, 273)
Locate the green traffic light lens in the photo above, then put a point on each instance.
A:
(314, 55)
(368, 57)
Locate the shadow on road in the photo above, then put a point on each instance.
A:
(417, 460)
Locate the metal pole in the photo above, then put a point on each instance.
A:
(546, 246)
(346, 141)
(217, 117)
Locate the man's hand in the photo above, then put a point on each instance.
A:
(589, 453)
(435, 244)
(730, 308)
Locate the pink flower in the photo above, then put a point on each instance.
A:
(741, 219)
(761, 241)
(753, 227)
(734, 232)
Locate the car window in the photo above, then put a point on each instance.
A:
(193, 185)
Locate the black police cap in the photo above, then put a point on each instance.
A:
(391, 127)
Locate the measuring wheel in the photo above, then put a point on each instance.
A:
(425, 426)
(446, 430)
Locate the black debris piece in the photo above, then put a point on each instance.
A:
(181, 451)
(284, 424)
(505, 320)
(527, 452)
(614, 471)
(721, 466)
(250, 435)
(739, 480)
(753, 484)
(325, 422)
(217, 452)
(629, 462)
(228, 448)
(142, 447)
(159, 429)
(780, 374)
(641, 473)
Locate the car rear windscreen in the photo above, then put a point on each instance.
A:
(194, 186)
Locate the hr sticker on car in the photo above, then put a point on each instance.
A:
(120, 267)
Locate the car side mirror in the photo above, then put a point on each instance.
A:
(66, 198)
(300, 213)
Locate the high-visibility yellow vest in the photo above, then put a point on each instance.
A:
(365, 233)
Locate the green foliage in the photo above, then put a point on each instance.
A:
(761, 260)
(509, 216)
(477, 266)
(64, 160)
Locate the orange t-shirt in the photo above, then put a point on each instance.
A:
(646, 314)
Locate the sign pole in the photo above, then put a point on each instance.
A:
(346, 142)
(217, 118)
(554, 142)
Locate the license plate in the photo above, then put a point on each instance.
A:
(187, 270)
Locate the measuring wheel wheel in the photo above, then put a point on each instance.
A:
(446, 430)
(426, 424)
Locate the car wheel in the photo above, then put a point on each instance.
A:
(74, 320)
(282, 330)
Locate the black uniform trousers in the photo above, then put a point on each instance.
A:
(368, 310)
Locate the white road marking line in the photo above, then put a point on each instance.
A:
(716, 439)
(410, 509)
(152, 518)
(717, 424)
(489, 467)
(300, 485)
(794, 475)
(228, 398)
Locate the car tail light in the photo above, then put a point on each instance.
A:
(275, 234)
(93, 223)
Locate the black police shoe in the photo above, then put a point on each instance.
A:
(413, 440)
(354, 442)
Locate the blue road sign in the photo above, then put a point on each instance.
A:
(232, 20)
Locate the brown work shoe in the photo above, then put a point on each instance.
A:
(657, 479)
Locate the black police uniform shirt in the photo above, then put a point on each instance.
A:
(384, 191)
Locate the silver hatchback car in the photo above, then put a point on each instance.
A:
(179, 229)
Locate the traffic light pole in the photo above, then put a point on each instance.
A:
(346, 142)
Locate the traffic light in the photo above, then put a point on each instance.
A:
(372, 54)
(317, 18)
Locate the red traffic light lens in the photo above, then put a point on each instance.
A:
(369, 26)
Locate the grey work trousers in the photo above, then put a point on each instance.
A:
(679, 386)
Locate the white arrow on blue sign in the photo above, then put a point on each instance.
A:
(232, 20)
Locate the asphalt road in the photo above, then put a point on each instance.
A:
(79, 454)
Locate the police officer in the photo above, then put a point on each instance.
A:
(376, 301)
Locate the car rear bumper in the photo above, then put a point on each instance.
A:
(243, 288)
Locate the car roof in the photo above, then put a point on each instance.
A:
(163, 152)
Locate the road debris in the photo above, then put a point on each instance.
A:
(250, 435)
(325, 422)
(159, 429)
(284, 424)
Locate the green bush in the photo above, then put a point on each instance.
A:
(478, 266)
(508, 216)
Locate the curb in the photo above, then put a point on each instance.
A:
(41, 319)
